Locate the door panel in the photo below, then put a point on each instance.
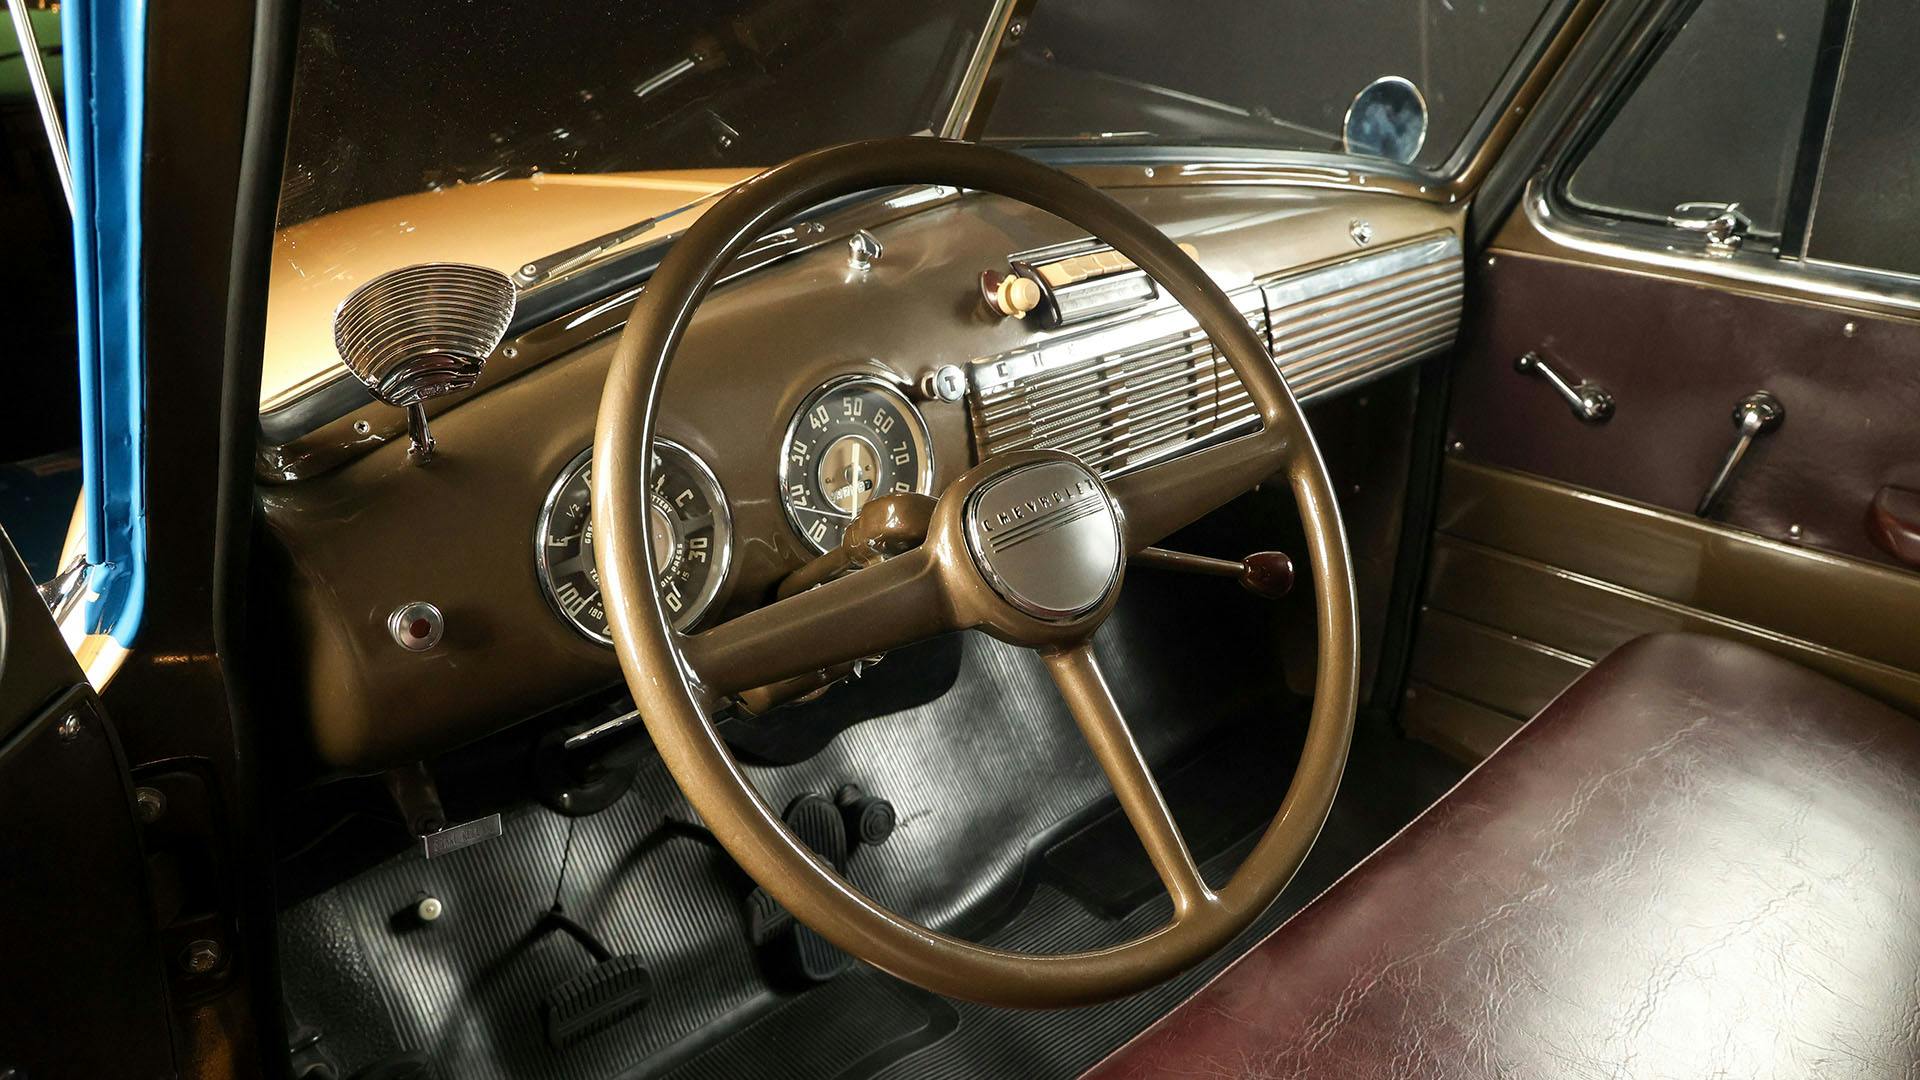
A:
(1677, 357)
(1530, 581)
(1557, 540)
(84, 994)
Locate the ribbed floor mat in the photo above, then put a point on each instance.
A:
(978, 778)
(1388, 783)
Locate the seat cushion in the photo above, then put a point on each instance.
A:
(1701, 860)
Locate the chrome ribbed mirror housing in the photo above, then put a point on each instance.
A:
(421, 332)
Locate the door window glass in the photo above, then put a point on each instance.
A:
(1718, 117)
(1867, 209)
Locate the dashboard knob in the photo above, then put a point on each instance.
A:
(948, 382)
(863, 250)
(1012, 295)
(416, 627)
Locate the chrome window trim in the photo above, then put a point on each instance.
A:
(973, 80)
(1634, 240)
(336, 421)
(1635, 243)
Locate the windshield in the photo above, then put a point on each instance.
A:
(394, 99)
(530, 136)
(1274, 74)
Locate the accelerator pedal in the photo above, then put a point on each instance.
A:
(614, 988)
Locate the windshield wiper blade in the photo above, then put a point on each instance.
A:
(570, 258)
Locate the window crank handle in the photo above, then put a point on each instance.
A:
(1757, 414)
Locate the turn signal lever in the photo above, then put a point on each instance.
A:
(1264, 573)
(886, 527)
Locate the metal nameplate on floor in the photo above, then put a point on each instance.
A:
(464, 835)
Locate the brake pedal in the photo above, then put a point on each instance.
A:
(789, 949)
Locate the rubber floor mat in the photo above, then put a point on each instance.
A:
(985, 781)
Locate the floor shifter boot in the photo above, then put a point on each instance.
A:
(788, 949)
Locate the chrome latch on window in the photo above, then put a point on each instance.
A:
(1724, 225)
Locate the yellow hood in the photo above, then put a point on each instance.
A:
(501, 224)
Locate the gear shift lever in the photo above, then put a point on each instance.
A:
(1267, 574)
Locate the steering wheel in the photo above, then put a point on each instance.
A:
(1029, 547)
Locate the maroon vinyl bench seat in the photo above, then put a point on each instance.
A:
(1700, 861)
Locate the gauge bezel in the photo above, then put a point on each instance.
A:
(923, 483)
(716, 495)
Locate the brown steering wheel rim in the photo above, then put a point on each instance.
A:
(651, 654)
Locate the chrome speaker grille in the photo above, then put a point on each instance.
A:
(1365, 316)
(1148, 387)
(422, 331)
(1117, 398)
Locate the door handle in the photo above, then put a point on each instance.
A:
(1587, 400)
(1757, 414)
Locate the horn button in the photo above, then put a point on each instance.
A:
(1047, 538)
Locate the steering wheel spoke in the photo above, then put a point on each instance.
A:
(1090, 700)
(885, 606)
(1159, 500)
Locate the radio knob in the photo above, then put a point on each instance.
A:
(1012, 295)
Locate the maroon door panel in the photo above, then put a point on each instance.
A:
(1676, 358)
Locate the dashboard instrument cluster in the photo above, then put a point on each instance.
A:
(688, 525)
(851, 440)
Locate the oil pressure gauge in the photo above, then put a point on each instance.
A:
(687, 524)
(853, 439)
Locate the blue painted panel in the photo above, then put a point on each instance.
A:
(105, 43)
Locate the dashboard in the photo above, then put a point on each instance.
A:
(803, 389)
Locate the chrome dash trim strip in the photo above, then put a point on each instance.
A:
(1139, 389)
(311, 435)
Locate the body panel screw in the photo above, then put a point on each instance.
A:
(202, 956)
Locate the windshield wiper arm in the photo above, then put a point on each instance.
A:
(570, 258)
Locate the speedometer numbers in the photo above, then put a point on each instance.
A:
(852, 440)
(687, 525)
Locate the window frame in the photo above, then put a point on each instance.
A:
(1638, 238)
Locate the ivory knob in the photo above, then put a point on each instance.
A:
(1016, 295)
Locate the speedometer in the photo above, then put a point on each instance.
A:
(852, 440)
(687, 524)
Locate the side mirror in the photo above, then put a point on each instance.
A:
(1388, 119)
(421, 332)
